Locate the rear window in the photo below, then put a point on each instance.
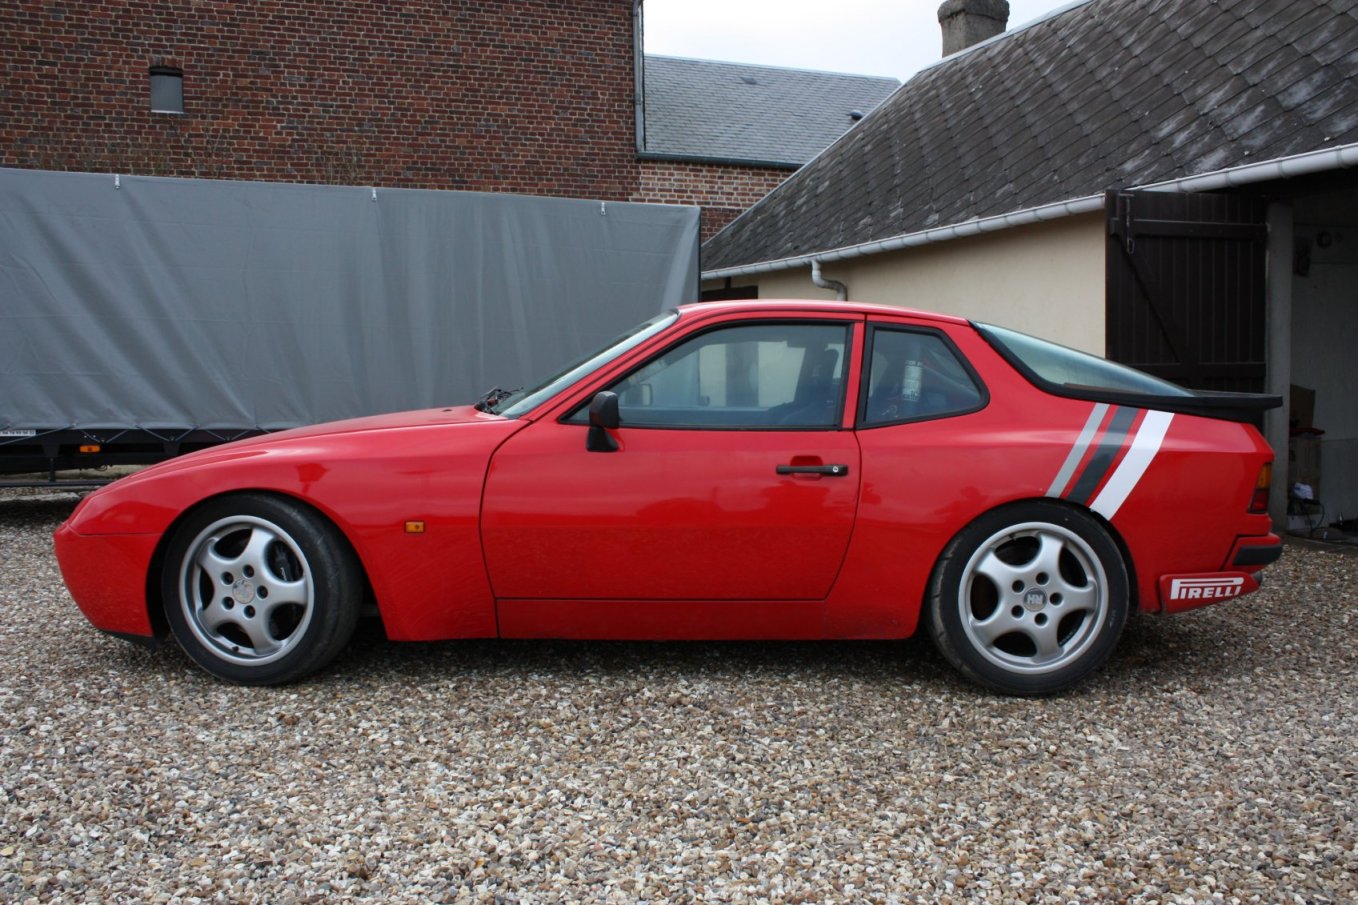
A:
(1067, 371)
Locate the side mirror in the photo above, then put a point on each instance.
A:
(603, 417)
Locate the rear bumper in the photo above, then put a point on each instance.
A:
(1237, 578)
(1253, 553)
(106, 574)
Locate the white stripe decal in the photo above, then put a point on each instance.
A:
(1077, 452)
(1145, 445)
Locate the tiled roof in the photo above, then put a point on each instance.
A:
(1108, 94)
(737, 112)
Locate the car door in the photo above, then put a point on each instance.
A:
(733, 477)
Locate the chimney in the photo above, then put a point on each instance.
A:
(968, 22)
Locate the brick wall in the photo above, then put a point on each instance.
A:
(724, 192)
(531, 96)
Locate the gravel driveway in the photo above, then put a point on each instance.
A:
(1213, 760)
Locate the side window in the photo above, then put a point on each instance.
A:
(916, 375)
(771, 375)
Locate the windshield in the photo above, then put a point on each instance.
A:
(1060, 368)
(523, 400)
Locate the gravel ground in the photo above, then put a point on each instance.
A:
(1213, 760)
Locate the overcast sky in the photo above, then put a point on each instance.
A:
(866, 37)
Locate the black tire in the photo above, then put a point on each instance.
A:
(1029, 599)
(260, 590)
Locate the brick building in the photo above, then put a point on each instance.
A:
(528, 96)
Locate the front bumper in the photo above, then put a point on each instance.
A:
(106, 574)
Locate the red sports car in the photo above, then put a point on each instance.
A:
(765, 470)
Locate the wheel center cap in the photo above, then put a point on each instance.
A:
(243, 591)
(1034, 600)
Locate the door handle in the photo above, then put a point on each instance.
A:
(833, 471)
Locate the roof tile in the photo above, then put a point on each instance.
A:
(732, 111)
(1107, 94)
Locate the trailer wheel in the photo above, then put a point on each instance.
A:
(260, 590)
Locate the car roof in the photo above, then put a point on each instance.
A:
(784, 306)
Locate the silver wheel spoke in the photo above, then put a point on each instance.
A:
(1046, 640)
(1076, 599)
(255, 554)
(1001, 623)
(211, 562)
(1048, 558)
(288, 592)
(215, 616)
(257, 630)
(999, 571)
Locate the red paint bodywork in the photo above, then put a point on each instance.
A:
(680, 534)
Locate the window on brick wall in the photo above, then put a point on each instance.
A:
(167, 89)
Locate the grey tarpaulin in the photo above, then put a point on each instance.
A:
(179, 303)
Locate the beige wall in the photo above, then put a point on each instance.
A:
(1046, 279)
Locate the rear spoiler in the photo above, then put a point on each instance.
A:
(1224, 406)
(1141, 391)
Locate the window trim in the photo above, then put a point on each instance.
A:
(861, 421)
(850, 325)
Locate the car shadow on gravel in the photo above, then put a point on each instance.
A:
(372, 656)
(1153, 654)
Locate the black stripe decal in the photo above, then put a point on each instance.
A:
(1103, 457)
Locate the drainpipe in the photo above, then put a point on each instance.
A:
(841, 291)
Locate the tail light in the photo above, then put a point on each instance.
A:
(1259, 499)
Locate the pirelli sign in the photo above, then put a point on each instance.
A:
(1183, 592)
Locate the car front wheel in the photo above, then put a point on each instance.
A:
(1029, 599)
(260, 590)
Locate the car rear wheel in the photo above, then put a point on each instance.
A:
(1029, 599)
(260, 590)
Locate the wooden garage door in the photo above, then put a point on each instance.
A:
(1186, 287)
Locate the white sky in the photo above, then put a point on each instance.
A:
(865, 37)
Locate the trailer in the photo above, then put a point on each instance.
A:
(144, 317)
